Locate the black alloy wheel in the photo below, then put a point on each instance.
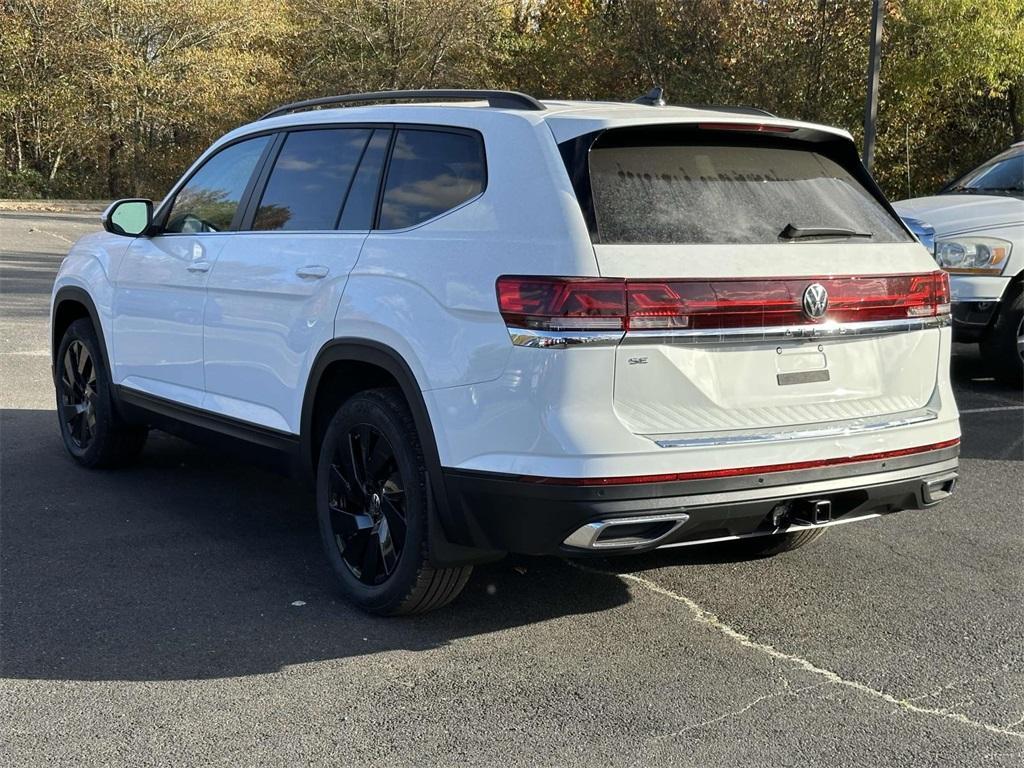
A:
(94, 432)
(374, 508)
(78, 394)
(366, 500)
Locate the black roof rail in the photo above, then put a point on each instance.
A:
(739, 110)
(496, 99)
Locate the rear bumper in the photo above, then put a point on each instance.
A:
(509, 514)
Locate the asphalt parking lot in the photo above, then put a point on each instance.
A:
(181, 613)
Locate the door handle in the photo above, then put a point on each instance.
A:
(199, 266)
(312, 271)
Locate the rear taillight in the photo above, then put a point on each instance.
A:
(943, 297)
(558, 304)
(599, 304)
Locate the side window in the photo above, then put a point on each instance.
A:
(362, 197)
(430, 172)
(310, 179)
(208, 201)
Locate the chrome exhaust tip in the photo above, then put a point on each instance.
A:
(626, 532)
(936, 489)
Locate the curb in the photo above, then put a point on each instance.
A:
(54, 206)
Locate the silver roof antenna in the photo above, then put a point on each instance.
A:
(653, 98)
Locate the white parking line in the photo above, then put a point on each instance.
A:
(51, 234)
(993, 409)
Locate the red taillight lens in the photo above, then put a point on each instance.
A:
(943, 297)
(553, 303)
(656, 305)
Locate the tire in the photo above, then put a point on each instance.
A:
(766, 546)
(93, 431)
(1003, 349)
(372, 509)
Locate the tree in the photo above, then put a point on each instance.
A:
(341, 46)
(113, 86)
(106, 98)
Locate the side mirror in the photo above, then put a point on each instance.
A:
(131, 217)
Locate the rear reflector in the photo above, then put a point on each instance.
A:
(712, 474)
(556, 303)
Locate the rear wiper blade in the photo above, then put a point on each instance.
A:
(793, 232)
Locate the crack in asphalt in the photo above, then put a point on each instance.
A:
(936, 692)
(787, 690)
(704, 616)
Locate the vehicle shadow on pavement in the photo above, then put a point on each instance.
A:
(725, 553)
(187, 566)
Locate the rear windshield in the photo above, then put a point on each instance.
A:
(728, 194)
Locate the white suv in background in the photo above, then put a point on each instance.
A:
(519, 326)
(978, 233)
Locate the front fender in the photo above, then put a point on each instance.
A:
(87, 275)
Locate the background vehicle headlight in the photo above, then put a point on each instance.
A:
(973, 255)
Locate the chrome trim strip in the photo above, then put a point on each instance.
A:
(529, 337)
(586, 536)
(787, 529)
(786, 333)
(832, 429)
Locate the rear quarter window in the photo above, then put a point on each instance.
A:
(430, 172)
(727, 194)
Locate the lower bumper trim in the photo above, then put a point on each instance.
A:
(500, 514)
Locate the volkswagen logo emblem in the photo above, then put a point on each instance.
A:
(815, 301)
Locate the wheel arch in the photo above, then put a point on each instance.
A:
(379, 365)
(72, 303)
(1013, 287)
(1016, 281)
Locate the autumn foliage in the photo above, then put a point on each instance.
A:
(105, 98)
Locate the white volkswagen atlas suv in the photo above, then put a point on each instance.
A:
(483, 324)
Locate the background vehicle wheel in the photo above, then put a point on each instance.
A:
(1003, 350)
(94, 433)
(765, 546)
(372, 507)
